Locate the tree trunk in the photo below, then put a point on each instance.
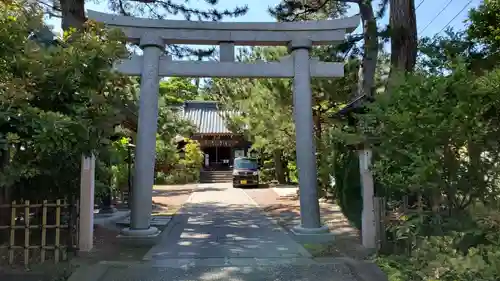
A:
(317, 124)
(278, 166)
(403, 27)
(73, 14)
(286, 171)
(366, 75)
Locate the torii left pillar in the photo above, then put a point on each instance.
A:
(142, 190)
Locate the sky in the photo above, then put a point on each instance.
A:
(428, 20)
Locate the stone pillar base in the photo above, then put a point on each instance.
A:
(108, 210)
(149, 236)
(313, 235)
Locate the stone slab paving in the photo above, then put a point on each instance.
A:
(221, 234)
(284, 272)
(224, 222)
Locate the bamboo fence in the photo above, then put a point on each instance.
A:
(21, 216)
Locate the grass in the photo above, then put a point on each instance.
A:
(317, 250)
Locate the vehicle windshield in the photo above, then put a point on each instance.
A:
(245, 163)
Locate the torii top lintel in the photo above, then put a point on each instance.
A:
(321, 32)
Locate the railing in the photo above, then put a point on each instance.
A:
(387, 218)
(30, 233)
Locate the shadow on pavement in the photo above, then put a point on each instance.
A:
(212, 230)
(183, 191)
(224, 235)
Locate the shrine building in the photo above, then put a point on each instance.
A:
(219, 144)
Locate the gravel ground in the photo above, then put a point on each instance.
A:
(286, 210)
(265, 197)
(172, 195)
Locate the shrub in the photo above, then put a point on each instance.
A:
(184, 170)
(57, 101)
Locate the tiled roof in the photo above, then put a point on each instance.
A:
(206, 116)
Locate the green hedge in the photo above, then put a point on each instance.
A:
(348, 185)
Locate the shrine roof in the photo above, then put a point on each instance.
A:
(206, 116)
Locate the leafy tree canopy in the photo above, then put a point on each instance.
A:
(57, 101)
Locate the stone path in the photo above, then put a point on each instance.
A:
(223, 222)
(281, 272)
(221, 234)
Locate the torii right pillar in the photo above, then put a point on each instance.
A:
(306, 152)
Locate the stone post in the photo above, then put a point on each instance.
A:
(86, 226)
(226, 51)
(306, 158)
(368, 229)
(145, 152)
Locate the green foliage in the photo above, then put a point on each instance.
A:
(471, 252)
(433, 131)
(177, 90)
(119, 163)
(266, 107)
(166, 154)
(485, 24)
(193, 157)
(437, 137)
(442, 53)
(437, 140)
(265, 112)
(437, 259)
(186, 168)
(347, 186)
(172, 92)
(56, 102)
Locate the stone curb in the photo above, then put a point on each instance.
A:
(168, 228)
(107, 219)
(364, 270)
(89, 272)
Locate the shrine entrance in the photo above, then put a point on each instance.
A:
(219, 151)
(219, 144)
(219, 158)
(153, 35)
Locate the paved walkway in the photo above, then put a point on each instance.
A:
(220, 234)
(219, 221)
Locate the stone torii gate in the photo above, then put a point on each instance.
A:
(153, 36)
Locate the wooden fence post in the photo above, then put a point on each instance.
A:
(34, 235)
(58, 231)
(43, 243)
(380, 216)
(12, 240)
(26, 232)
